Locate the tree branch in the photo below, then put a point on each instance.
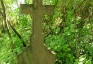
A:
(18, 35)
(6, 26)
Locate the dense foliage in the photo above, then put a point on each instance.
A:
(68, 32)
